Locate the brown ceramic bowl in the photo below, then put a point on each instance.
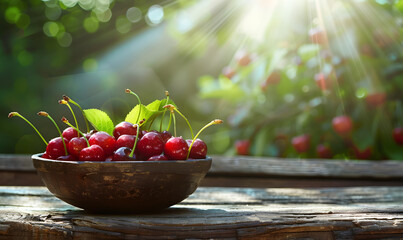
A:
(121, 187)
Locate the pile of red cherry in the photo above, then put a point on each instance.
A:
(128, 143)
(151, 146)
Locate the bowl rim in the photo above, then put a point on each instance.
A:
(37, 156)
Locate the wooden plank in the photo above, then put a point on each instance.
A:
(20, 178)
(17, 170)
(212, 180)
(263, 166)
(16, 162)
(229, 213)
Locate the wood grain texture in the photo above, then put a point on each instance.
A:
(263, 166)
(212, 213)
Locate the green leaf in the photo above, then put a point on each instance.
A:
(308, 51)
(222, 88)
(260, 142)
(158, 105)
(365, 136)
(99, 120)
(132, 116)
(148, 112)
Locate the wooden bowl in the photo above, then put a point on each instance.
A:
(121, 187)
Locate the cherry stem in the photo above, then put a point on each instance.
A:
(66, 98)
(78, 130)
(163, 114)
(71, 110)
(170, 120)
(45, 114)
(190, 127)
(12, 114)
(173, 116)
(140, 106)
(215, 121)
(135, 141)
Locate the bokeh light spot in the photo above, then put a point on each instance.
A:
(53, 13)
(90, 64)
(23, 21)
(69, 3)
(86, 4)
(104, 16)
(52, 3)
(91, 24)
(361, 92)
(155, 15)
(123, 25)
(184, 22)
(51, 29)
(133, 14)
(64, 39)
(12, 14)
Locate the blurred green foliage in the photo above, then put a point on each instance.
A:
(344, 59)
(44, 42)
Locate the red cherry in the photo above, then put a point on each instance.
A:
(198, 150)
(55, 148)
(75, 145)
(317, 36)
(165, 135)
(160, 157)
(342, 125)
(45, 155)
(243, 58)
(92, 153)
(228, 72)
(89, 134)
(123, 154)
(67, 158)
(176, 148)
(242, 147)
(376, 99)
(69, 133)
(150, 144)
(398, 135)
(362, 154)
(301, 143)
(125, 128)
(125, 141)
(273, 79)
(323, 151)
(105, 141)
(322, 81)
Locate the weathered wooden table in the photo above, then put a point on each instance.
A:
(230, 213)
